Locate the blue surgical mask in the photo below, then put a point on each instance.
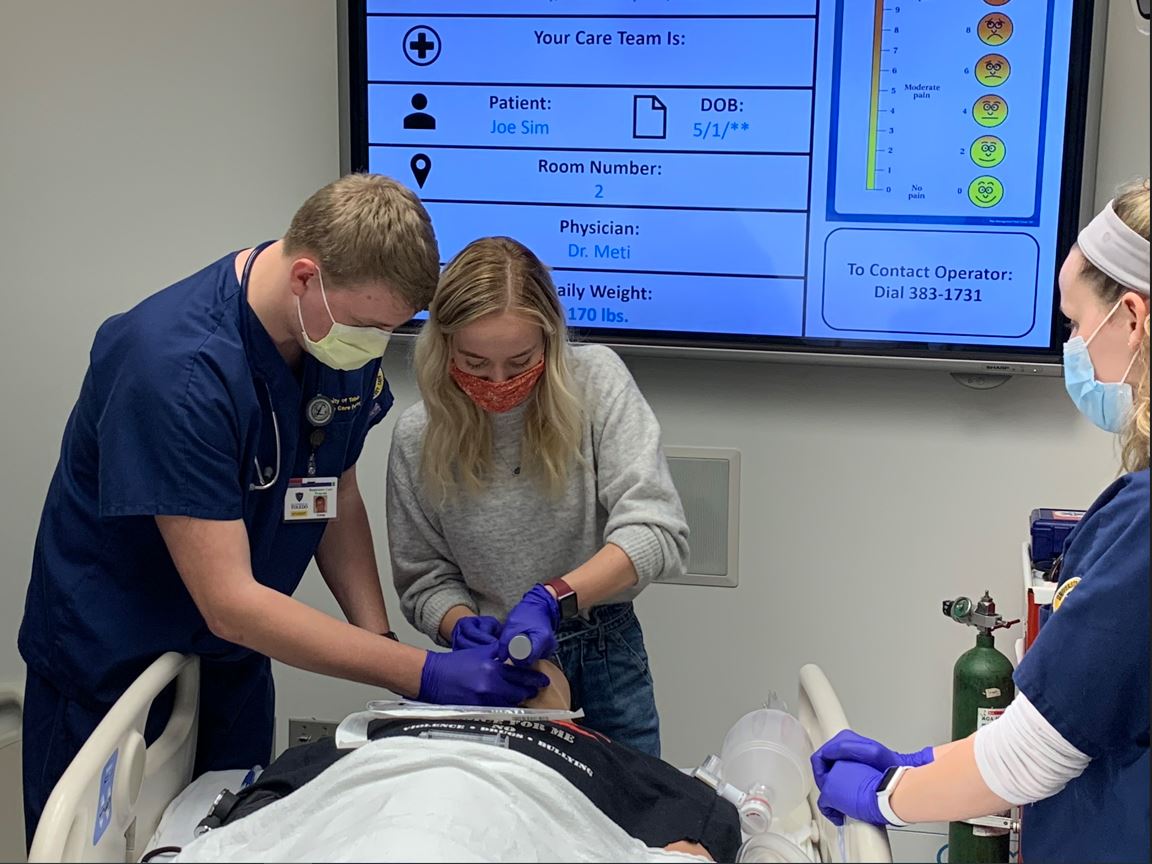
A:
(1105, 404)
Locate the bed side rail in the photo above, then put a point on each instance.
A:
(822, 716)
(116, 788)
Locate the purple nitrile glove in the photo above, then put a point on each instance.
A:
(849, 746)
(474, 676)
(472, 631)
(849, 789)
(535, 616)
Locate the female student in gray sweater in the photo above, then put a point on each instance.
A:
(528, 495)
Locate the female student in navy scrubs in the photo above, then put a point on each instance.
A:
(1073, 745)
(210, 456)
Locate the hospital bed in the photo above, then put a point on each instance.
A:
(110, 800)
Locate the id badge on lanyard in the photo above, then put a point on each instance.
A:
(312, 498)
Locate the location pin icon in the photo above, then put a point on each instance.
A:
(421, 165)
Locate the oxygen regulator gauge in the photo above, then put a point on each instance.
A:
(958, 609)
(982, 615)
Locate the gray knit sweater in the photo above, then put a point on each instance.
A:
(485, 551)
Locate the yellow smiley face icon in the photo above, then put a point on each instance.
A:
(995, 28)
(992, 70)
(987, 151)
(985, 191)
(990, 111)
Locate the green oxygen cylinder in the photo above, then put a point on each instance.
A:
(982, 688)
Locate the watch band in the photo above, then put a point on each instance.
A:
(565, 597)
(884, 792)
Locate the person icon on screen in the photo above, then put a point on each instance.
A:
(419, 119)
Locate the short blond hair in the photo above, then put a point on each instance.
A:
(1131, 205)
(367, 228)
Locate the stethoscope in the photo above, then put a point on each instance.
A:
(269, 475)
(265, 472)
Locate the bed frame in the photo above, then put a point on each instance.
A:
(822, 716)
(115, 791)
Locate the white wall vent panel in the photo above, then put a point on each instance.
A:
(708, 480)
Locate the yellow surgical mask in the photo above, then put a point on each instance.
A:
(345, 347)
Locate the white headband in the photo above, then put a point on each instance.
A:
(1116, 250)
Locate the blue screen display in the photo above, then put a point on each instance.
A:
(775, 173)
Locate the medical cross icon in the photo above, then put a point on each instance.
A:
(422, 45)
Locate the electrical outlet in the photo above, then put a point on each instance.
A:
(304, 731)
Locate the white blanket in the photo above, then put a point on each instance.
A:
(440, 801)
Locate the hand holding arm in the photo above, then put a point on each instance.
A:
(213, 558)
(475, 676)
(850, 746)
(944, 784)
(848, 769)
(472, 631)
(536, 616)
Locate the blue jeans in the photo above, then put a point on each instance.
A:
(607, 666)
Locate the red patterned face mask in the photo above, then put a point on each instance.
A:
(497, 397)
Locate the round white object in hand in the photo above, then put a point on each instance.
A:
(520, 648)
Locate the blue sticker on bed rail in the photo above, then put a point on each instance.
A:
(104, 806)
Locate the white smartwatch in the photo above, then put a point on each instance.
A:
(884, 792)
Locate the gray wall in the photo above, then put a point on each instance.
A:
(140, 140)
(1124, 130)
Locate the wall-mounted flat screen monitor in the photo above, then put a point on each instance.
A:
(887, 179)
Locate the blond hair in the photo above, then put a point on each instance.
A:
(367, 228)
(490, 276)
(1131, 205)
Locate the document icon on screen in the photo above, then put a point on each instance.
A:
(649, 117)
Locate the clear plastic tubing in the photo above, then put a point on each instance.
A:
(754, 806)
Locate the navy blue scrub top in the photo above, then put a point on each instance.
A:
(1087, 674)
(175, 406)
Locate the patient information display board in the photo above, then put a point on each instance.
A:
(877, 170)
